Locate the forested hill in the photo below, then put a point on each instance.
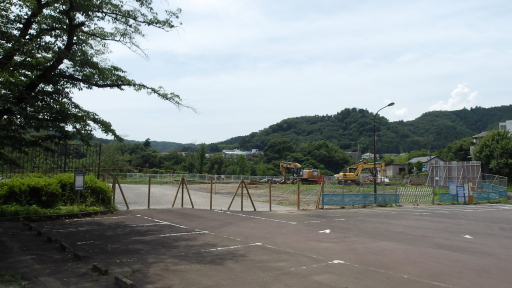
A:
(352, 128)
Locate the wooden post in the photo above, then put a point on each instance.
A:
(182, 192)
(270, 196)
(242, 196)
(234, 195)
(188, 192)
(122, 193)
(211, 193)
(298, 195)
(249, 194)
(176, 196)
(320, 195)
(182, 185)
(149, 192)
(113, 191)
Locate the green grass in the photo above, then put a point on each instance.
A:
(17, 210)
(12, 281)
(9, 278)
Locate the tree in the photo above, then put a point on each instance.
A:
(50, 49)
(113, 155)
(201, 156)
(495, 153)
(278, 150)
(328, 155)
(215, 164)
(457, 151)
(147, 143)
(241, 165)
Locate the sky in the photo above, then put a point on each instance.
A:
(245, 65)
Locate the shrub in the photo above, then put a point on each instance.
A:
(28, 191)
(98, 193)
(51, 192)
(66, 182)
(95, 193)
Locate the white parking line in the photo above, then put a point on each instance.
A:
(255, 217)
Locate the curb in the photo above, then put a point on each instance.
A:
(120, 281)
(35, 218)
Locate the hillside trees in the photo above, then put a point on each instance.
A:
(332, 158)
(50, 49)
(351, 129)
(278, 150)
(457, 151)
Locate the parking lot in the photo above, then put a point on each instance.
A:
(427, 246)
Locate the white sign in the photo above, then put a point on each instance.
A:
(452, 188)
(462, 193)
(79, 181)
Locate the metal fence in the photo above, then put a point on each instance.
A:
(63, 158)
(493, 182)
(299, 196)
(477, 197)
(416, 195)
(459, 172)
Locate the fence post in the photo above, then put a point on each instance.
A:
(113, 190)
(242, 195)
(298, 195)
(211, 192)
(149, 192)
(270, 196)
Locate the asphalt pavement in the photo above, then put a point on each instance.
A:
(425, 246)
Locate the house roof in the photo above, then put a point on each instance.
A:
(425, 159)
(481, 135)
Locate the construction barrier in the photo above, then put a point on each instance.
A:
(416, 194)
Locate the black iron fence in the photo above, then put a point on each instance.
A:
(69, 157)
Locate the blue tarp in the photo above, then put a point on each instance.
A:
(477, 197)
(359, 199)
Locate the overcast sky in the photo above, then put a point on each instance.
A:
(245, 65)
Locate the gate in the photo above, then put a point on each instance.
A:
(416, 194)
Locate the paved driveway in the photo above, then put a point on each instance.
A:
(433, 246)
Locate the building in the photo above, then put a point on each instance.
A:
(367, 156)
(395, 170)
(507, 125)
(428, 161)
(356, 155)
(236, 152)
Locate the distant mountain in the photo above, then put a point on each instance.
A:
(352, 129)
(161, 146)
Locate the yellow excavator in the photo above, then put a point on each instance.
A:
(353, 174)
(304, 175)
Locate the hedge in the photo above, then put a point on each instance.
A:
(38, 190)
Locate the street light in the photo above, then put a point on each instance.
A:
(375, 150)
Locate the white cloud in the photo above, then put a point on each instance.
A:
(460, 97)
(400, 111)
(248, 64)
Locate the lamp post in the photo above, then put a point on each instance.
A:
(375, 150)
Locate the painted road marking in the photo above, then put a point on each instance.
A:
(232, 247)
(255, 217)
(370, 268)
(185, 233)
